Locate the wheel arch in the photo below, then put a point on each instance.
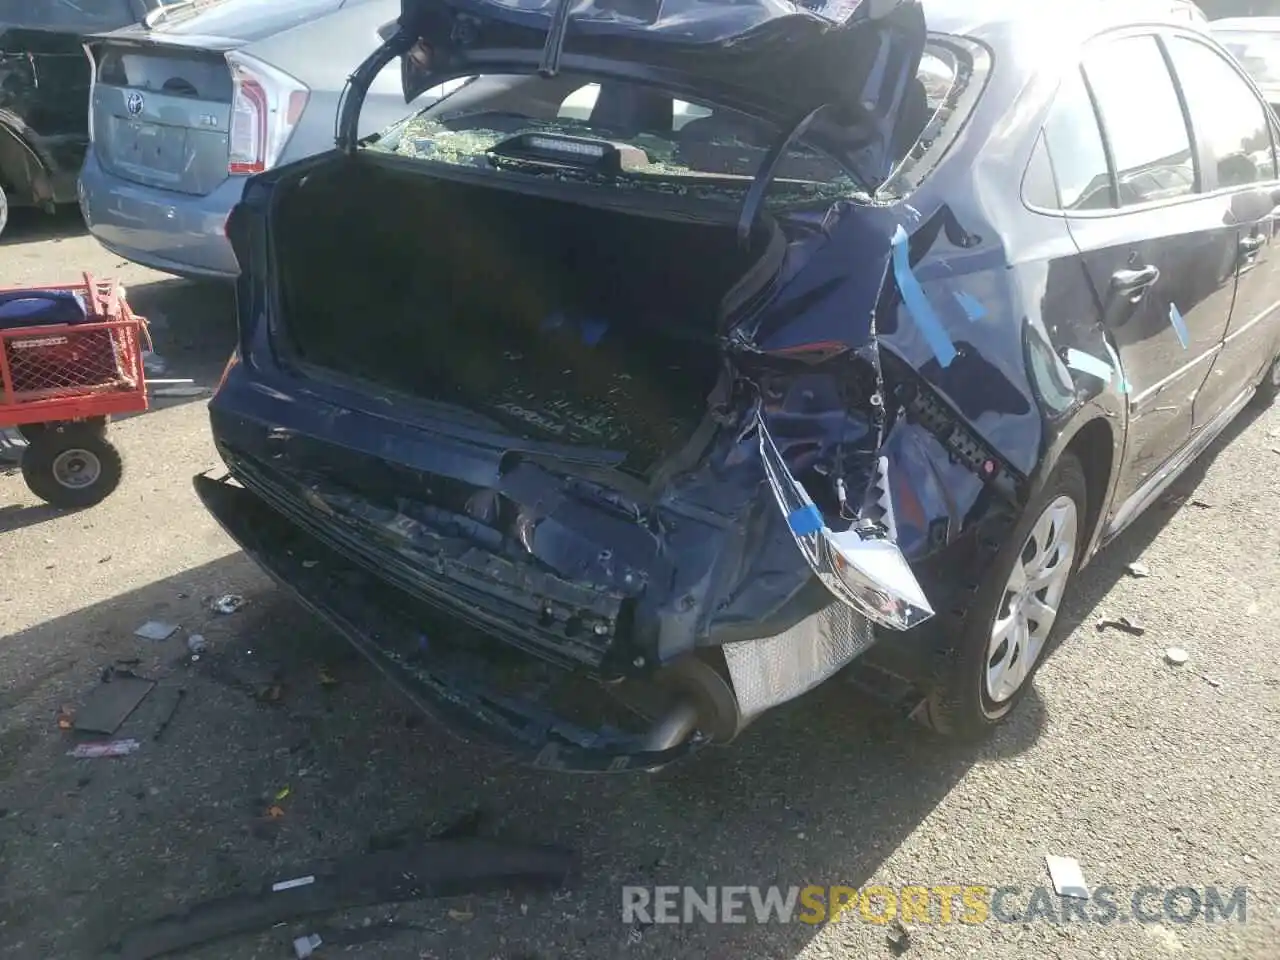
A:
(1096, 444)
(25, 170)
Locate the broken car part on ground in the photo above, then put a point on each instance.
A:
(677, 359)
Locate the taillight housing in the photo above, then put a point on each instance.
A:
(266, 105)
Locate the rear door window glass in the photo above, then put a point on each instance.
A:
(1227, 116)
(1142, 120)
(1075, 149)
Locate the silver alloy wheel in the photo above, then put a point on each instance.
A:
(76, 469)
(1031, 598)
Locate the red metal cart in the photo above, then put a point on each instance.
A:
(61, 382)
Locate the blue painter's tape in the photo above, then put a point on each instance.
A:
(972, 308)
(1089, 364)
(1119, 368)
(1179, 325)
(805, 520)
(917, 303)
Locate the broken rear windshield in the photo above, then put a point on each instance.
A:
(686, 146)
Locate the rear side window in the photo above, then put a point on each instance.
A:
(1227, 116)
(1075, 148)
(1142, 120)
(176, 73)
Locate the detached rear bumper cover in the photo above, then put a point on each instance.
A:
(865, 572)
(347, 596)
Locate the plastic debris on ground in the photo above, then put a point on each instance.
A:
(449, 868)
(176, 388)
(1139, 569)
(156, 630)
(196, 643)
(461, 916)
(306, 946)
(66, 717)
(110, 703)
(1211, 681)
(1067, 877)
(1176, 656)
(175, 700)
(227, 604)
(110, 748)
(153, 363)
(898, 938)
(1123, 624)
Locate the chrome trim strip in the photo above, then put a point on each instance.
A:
(1210, 354)
(1252, 323)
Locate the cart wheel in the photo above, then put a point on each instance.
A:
(74, 466)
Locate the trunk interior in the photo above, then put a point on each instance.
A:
(556, 321)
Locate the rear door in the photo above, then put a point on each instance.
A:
(1160, 253)
(1233, 130)
(161, 113)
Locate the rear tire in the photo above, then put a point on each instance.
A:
(1012, 622)
(72, 466)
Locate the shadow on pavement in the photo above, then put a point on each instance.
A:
(29, 225)
(280, 712)
(819, 792)
(16, 517)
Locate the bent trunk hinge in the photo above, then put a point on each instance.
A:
(922, 406)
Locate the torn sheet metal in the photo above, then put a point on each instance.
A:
(868, 573)
(917, 303)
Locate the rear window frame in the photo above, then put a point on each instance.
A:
(972, 62)
(695, 180)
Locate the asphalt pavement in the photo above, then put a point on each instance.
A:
(284, 748)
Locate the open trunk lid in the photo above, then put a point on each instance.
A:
(783, 60)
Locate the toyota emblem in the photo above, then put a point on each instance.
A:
(134, 104)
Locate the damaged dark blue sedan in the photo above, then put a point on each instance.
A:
(691, 350)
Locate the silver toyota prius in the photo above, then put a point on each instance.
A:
(186, 106)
